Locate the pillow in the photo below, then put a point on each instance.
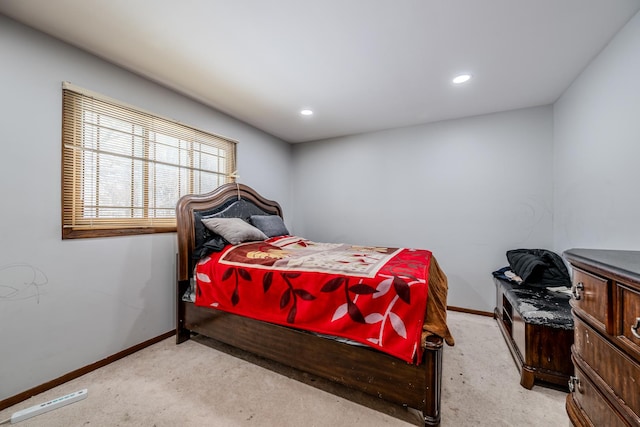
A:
(234, 230)
(271, 225)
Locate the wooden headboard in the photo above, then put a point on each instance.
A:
(215, 203)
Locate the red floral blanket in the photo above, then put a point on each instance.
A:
(373, 295)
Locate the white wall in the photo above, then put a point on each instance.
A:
(96, 296)
(597, 151)
(467, 189)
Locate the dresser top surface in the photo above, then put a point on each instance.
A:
(624, 263)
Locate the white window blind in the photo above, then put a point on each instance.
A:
(125, 169)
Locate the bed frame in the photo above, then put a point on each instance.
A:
(361, 368)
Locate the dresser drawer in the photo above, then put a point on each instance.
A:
(591, 299)
(628, 320)
(615, 368)
(593, 404)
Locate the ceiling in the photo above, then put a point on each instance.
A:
(360, 65)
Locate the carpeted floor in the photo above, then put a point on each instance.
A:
(201, 383)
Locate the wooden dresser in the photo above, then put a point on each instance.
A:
(605, 390)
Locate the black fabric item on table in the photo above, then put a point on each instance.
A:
(539, 267)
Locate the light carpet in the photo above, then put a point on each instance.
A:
(203, 383)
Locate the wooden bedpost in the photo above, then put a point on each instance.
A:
(182, 334)
(433, 380)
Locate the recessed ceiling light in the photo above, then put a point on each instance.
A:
(306, 112)
(461, 78)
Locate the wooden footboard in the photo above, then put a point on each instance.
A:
(360, 368)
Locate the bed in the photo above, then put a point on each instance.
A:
(412, 383)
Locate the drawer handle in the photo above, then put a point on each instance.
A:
(575, 289)
(574, 384)
(634, 328)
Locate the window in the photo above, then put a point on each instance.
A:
(124, 169)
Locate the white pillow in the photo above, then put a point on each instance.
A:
(234, 230)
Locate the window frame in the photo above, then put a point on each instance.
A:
(197, 144)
